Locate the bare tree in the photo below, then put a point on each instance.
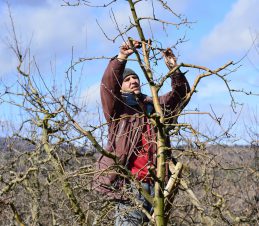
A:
(46, 179)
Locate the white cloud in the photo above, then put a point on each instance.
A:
(52, 30)
(211, 89)
(7, 60)
(234, 34)
(91, 96)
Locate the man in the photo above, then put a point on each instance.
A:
(132, 138)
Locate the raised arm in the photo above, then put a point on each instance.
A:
(174, 100)
(112, 80)
(110, 88)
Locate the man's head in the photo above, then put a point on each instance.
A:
(130, 82)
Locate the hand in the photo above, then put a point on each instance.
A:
(170, 59)
(126, 49)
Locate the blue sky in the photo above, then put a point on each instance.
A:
(222, 31)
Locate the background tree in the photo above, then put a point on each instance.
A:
(46, 176)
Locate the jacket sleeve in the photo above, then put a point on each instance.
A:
(110, 89)
(173, 100)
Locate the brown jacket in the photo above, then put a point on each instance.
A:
(126, 123)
